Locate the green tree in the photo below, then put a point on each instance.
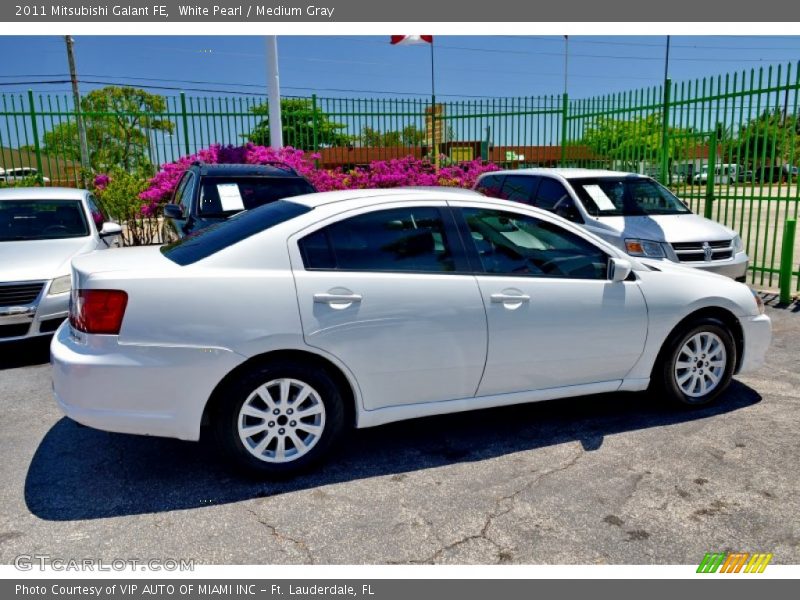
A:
(632, 140)
(769, 139)
(118, 122)
(299, 119)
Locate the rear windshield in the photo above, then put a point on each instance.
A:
(626, 196)
(224, 196)
(41, 220)
(211, 240)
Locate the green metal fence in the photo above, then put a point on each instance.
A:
(728, 145)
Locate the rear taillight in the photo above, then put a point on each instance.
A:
(97, 311)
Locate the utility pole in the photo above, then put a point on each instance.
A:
(566, 62)
(76, 98)
(274, 90)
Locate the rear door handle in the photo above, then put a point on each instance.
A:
(510, 298)
(326, 298)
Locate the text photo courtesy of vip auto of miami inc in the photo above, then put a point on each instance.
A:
(399, 300)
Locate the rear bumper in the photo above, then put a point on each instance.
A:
(146, 390)
(757, 337)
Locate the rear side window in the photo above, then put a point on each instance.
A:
(401, 239)
(491, 185)
(223, 196)
(211, 240)
(520, 188)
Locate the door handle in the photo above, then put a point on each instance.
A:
(327, 298)
(510, 298)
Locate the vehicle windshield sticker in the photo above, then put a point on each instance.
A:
(229, 196)
(599, 196)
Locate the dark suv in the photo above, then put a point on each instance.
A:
(208, 194)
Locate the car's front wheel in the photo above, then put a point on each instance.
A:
(279, 419)
(696, 363)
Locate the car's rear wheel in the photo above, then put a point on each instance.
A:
(696, 363)
(279, 419)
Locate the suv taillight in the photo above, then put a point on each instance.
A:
(97, 311)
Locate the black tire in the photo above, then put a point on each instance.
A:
(226, 416)
(664, 381)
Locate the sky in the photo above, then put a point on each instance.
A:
(368, 66)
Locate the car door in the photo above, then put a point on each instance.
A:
(554, 317)
(388, 293)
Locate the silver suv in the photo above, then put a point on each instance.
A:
(633, 212)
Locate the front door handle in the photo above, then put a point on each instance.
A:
(510, 298)
(327, 298)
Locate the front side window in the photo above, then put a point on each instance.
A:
(41, 220)
(551, 194)
(491, 185)
(181, 197)
(98, 216)
(398, 239)
(626, 196)
(520, 188)
(514, 244)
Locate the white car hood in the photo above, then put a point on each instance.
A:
(34, 260)
(666, 228)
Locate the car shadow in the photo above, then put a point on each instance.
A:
(80, 473)
(25, 353)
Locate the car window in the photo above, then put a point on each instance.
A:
(626, 196)
(514, 244)
(181, 197)
(491, 185)
(520, 188)
(41, 220)
(400, 239)
(223, 196)
(550, 193)
(211, 240)
(98, 216)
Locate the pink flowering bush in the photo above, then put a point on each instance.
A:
(379, 174)
(101, 182)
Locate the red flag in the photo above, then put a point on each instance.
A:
(411, 39)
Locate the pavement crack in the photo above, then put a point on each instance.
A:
(281, 537)
(503, 555)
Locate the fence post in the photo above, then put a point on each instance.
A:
(664, 173)
(787, 260)
(708, 211)
(314, 141)
(564, 109)
(185, 120)
(35, 132)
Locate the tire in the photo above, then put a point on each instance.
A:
(256, 425)
(696, 363)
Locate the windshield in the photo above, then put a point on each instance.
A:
(41, 220)
(626, 197)
(225, 196)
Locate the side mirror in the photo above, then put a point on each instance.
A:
(619, 269)
(173, 211)
(110, 229)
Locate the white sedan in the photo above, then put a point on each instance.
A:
(41, 230)
(287, 324)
